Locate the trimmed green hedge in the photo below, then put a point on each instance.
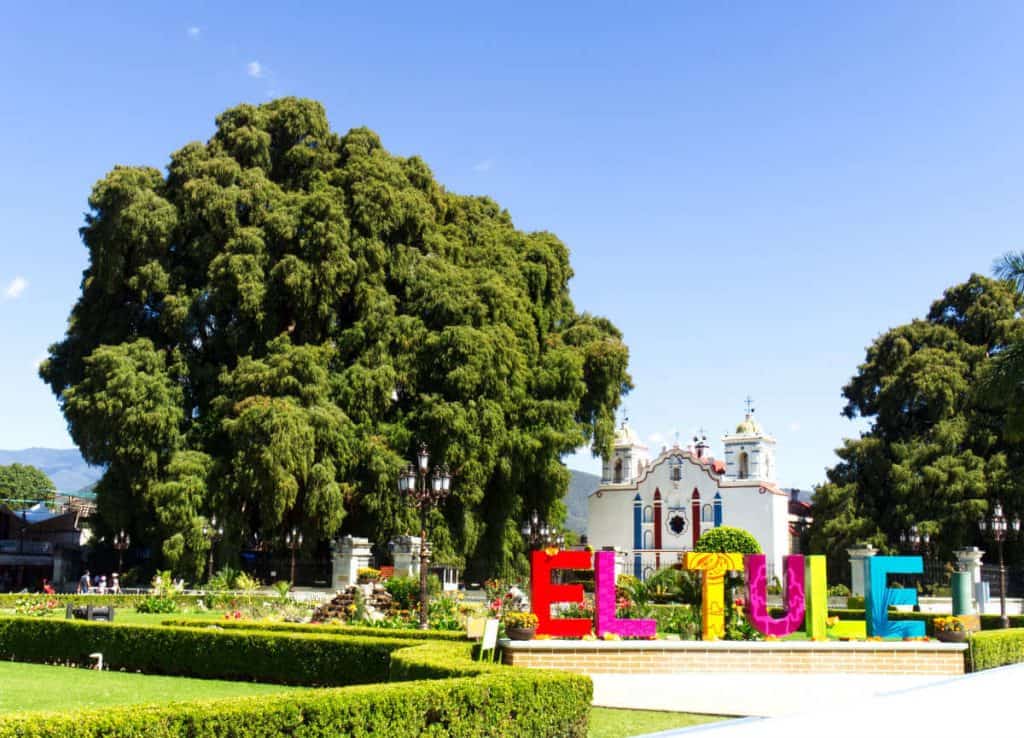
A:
(466, 699)
(514, 704)
(994, 648)
(249, 655)
(345, 630)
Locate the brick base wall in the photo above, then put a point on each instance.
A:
(666, 657)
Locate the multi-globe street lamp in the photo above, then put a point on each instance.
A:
(121, 542)
(293, 540)
(539, 534)
(212, 533)
(999, 526)
(424, 492)
(916, 540)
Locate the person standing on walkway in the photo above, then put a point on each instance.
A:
(83, 584)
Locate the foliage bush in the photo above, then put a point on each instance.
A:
(408, 633)
(164, 605)
(283, 658)
(404, 591)
(839, 590)
(994, 648)
(727, 539)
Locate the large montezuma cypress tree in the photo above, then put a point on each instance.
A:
(267, 332)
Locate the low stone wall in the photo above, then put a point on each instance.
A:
(667, 657)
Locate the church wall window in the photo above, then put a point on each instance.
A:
(677, 469)
(617, 477)
(744, 465)
(648, 539)
(706, 514)
(648, 514)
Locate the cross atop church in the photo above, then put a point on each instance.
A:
(750, 405)
(625, 415)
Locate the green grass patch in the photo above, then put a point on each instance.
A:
(61, 688)
(606, 722)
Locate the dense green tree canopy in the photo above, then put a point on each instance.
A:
(935, 455)
(23, 484)
(268, 331)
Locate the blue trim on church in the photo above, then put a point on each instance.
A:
(638, 535)
(718, 509)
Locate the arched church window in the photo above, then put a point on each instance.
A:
(744, 465)
(706, 515)
(718, 509)
(617, 476)
(648, 539)
(648, 514)
(677, 468)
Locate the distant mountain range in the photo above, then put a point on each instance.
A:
(65, 466)
(581, 485)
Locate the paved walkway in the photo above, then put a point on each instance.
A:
(983, 703)
(747, 693)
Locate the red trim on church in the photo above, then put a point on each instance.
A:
(695, 515)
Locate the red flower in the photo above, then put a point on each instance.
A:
(740, 602)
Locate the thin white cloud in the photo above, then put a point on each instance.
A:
(15, 289)
(483, 166)
(794, 427)
(193, 32)
(655, 438)
(254, 69)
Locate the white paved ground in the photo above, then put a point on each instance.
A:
(744, 694)
(985, 703)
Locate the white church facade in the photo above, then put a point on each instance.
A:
(655, 508)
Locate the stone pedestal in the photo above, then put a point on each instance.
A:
(969, 560)
(858, 555)
(349, 555)
(406, 552)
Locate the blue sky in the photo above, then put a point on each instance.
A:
(751, 191)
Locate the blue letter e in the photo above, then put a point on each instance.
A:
(878, 597)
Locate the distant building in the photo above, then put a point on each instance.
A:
(656, 508)
(37, 543)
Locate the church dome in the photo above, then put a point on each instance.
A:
(748, 427)
(626, 436)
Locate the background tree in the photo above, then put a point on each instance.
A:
(268, 331)
(20, 483)
(935, 455)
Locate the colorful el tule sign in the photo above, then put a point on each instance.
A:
(805, 595)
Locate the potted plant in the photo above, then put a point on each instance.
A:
(520, 626)
(950, 630)
(367, 575)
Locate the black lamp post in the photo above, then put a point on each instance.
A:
(212, 533)
(539, 534)
(916, 540)
(121, 542)
(424, 493)
(293, 540)
(998, 526)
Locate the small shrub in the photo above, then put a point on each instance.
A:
(839, 590)
(990, 649)
(404, 591)
(727, 539)
(162, 605)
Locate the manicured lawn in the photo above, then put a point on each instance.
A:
(41, 687)
(608, 723)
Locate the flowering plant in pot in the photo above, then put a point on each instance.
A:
(951, 630)
(520, 626)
